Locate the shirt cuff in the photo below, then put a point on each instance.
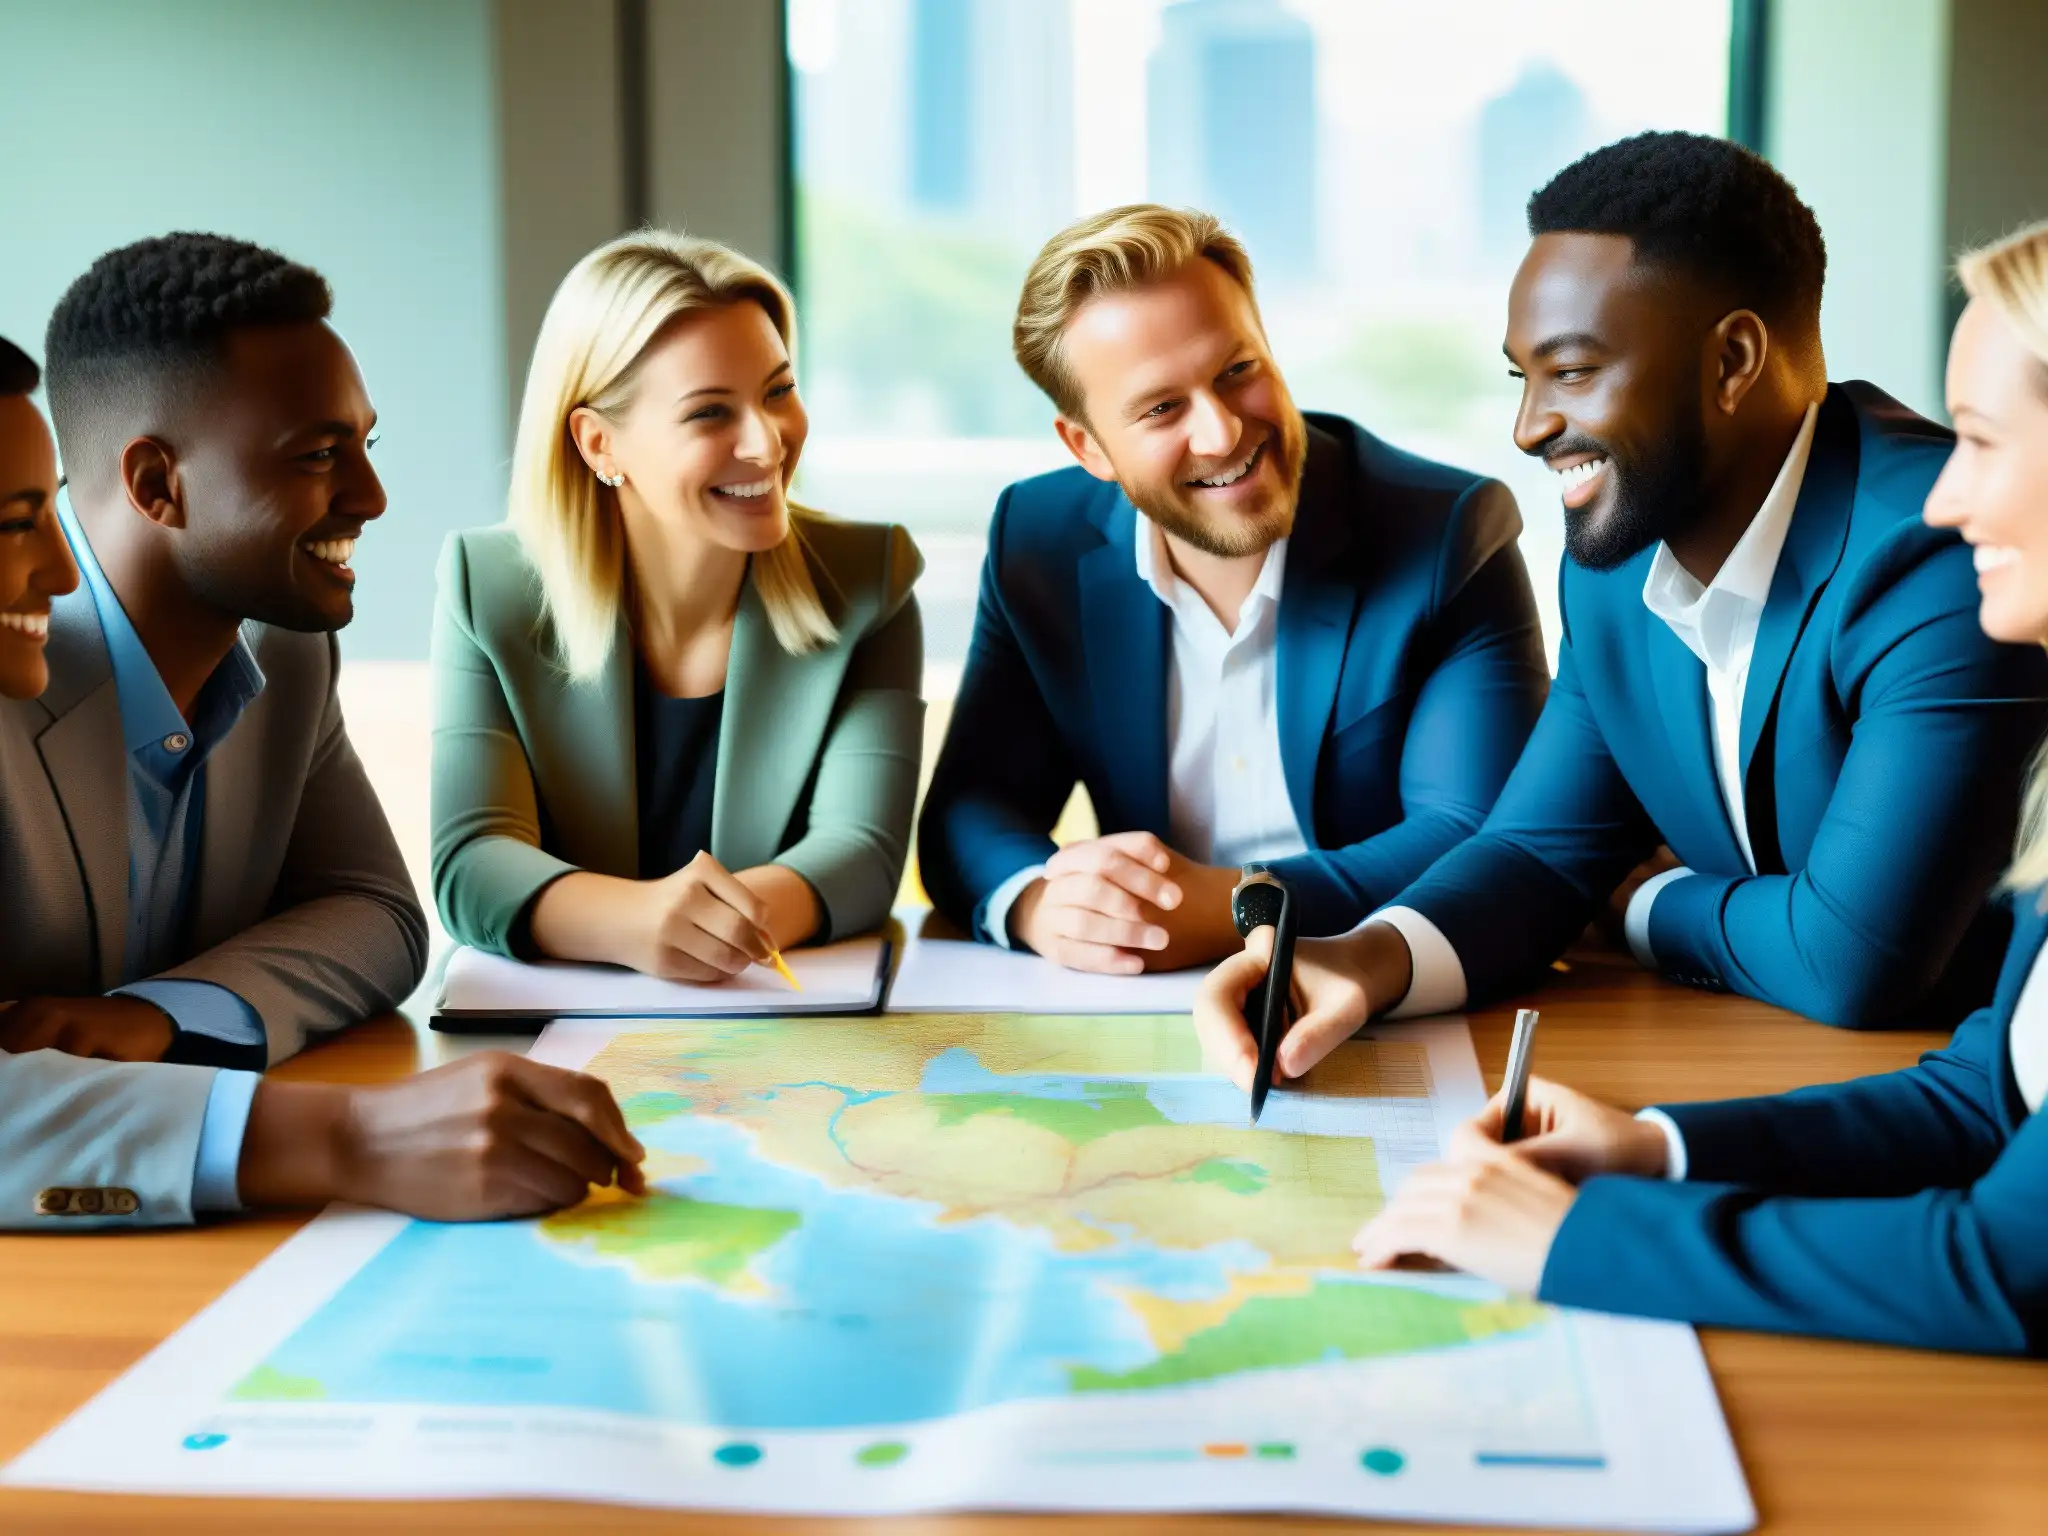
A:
(216, 1171)
(1437, 976)
(1674, 1142)
(1635, 923)
(995, 922)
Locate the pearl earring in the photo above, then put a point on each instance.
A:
(613, 480)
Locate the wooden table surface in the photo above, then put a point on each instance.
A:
(1834, 1437)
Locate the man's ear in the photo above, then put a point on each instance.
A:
(1741, 347)
(150, 478)
(1082, 445)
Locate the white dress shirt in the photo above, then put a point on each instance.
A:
(1718, 623)
(2028, 1046)
(1226, 791)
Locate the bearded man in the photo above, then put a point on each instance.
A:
(1257, 636)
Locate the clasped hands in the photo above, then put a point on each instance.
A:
(1126, 903)
(1490, 1209)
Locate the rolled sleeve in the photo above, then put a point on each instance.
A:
(1437, 979)
(216, 1170)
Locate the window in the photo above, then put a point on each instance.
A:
(1375, 155)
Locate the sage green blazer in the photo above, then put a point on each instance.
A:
(534, 774)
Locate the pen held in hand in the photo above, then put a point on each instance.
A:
(1516, 1087)
(782, 968)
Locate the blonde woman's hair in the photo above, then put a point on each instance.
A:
(599, 325)
(2011, 277)
(1111, 252)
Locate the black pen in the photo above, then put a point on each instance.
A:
(1261, 900)
(1520, 1049)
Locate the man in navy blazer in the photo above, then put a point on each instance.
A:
(1769, 663)
(1254, 635)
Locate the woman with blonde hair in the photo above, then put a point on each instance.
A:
(1909, 1208)
(677, 718)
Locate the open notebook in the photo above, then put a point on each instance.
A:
(482, 992)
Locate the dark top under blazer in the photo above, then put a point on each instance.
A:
(1883, 742)
(1905, 1208)
(1409, 671)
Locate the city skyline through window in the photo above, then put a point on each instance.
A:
(1374, 155)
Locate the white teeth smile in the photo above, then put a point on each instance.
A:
(35, 625)
(1578, 474)
(1992, 557)
(333, 551)
(1231, 477)
(745, 492)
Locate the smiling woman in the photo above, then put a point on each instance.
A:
(729, 765)
(35, 564)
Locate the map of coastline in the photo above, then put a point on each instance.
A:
(887, 1221)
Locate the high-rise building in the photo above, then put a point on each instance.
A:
(1231, 124)
(1527, 134)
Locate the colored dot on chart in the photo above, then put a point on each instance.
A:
(883, 1453)
(1275, 1451)
(1382, 1461)
(738, 1454)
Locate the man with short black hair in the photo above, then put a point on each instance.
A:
(1769, 663)
(193, 865)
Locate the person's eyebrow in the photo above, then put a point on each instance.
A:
(341, 429)
(33, 499)
(1550, 346)
(719, 389)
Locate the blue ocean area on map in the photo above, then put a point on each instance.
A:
(901, 1319)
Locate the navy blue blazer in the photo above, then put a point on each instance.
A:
(1910, 1208)
(1409, 671)
(1883, 742)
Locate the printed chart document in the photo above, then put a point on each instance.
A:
(949, 975)
(904, 1264)
(481, 991)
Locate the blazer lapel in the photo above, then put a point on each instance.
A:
(778, 708)
(1813, 548)
(1317, 605)
(87, 762)
(234, 797)
(2029, 932)
(1681, 686)
(1124, 637)
(591, 742)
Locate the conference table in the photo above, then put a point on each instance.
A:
(1833, 1437)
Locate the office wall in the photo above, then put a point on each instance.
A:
(1856, 115)
(356, 135)
(1997, 122)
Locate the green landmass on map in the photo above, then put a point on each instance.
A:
(1103, 1108)
(1329, 1320)
(672, 1237)
(653, 1107)
(1230, 1173)
(267, 1384)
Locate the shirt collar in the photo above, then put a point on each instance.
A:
(1155, 569)
(149, 716)
(1711, 619)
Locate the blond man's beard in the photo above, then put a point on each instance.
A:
(1236, 535)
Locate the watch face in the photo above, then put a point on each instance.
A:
(1257, 905)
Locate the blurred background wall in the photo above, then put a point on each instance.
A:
(445, 161)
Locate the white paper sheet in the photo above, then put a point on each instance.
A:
(945, 975)
(837, 978)
(920, 1326)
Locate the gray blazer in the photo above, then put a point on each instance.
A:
(302, 905)
(86, 1144)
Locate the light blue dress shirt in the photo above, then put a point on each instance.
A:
(166, 818)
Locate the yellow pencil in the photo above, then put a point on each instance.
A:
(775, 959)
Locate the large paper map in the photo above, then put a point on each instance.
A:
(941, 1260)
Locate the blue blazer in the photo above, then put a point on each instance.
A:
(1883, 742)
(1910, 1208)
(1409, 671)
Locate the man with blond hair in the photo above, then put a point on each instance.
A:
(1255, 635)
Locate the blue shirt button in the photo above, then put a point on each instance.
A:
(177, 741)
